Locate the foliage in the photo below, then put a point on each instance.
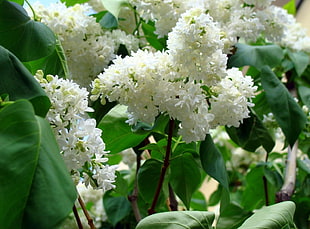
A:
(161, 171)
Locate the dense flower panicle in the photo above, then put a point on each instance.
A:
(87, 47)
(196, 47)
(79, 140)
(230, 103)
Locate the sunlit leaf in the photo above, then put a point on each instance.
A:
(114, 6)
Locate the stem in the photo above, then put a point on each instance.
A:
(288, 187)
(266, 184)
(151, 210)
(173, 203)
(32, 10)
(77, 218)
(89, 219)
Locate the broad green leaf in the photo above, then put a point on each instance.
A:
(117, 134)
(254, 195)
(276, 216)
(27, 39)
(212, 161)
(304, 93)
(198, 201)
(256, 56)
(300, 61)
(108, 21)
(232, 217)
(20, 2)
(304, 164)
(121, 184)
(47, 187)
(54, 64)
(114, 6)
(157, 43)
(287, 112)
(290, 7)
(178, 220)
(251, 134)
(18, 83)
(148, 177)
(73, 2)
(31, 194)
(116, 207)
(185, 177)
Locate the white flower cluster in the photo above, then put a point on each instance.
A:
(79, 140)
(160, 83)
(88, 48)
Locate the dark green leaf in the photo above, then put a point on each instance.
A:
(108, 21)
(30, 170)
(178, 220)
(117, 134)
(148, 177)
(276, 216)
(256, 56)
(300, 61)
(121, 184)
(18, 83)
(27, 39)
(287, 112)
(185, 177)
(304, 93)
(254, 195)
(54, 64)
(212, 161)
(157, 43)
(116, 207)
(251, 134)
(232, 217)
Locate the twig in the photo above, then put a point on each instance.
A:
(164, 168)
(173, 203)
(266, 184)
(77, 218)
(89, 219)
(288, 187)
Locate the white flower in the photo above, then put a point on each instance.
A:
(230, 104)
(196, 47)
(79, 140)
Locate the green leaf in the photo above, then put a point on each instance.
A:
(178, 220)
(116, 207)
(290, 7)
(108, 21)
(114, 6)
(20, 2)
(304, 93)
(73, 2)
(300, 61)
(254, 195)
(117, 134)
(276, 216)
(256, 56)
(148, 177)
(251, 134)
(157, 43)
(185, 177)
(287, 112)
(27, 39)
(121, 184)
(212, 161)
(54, 64)
(31, 166)
(232, 217)
(198, 201)
(18, 83)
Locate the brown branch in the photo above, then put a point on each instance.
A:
(89, 219)
(288, 187)
(164, 168)
(173, 203)
(77, 217)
